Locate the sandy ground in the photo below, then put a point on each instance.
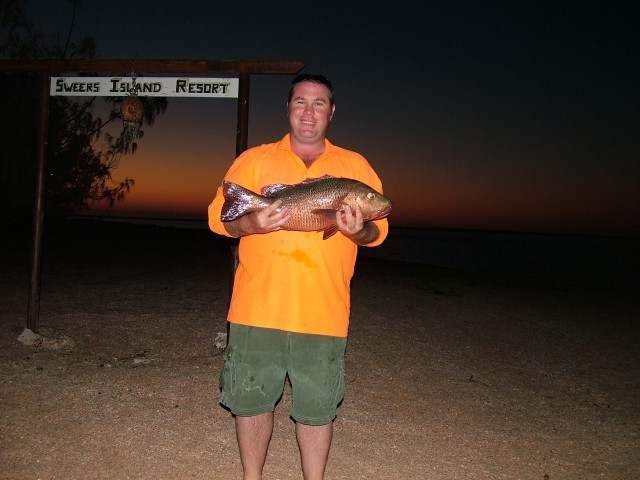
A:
(450, 374)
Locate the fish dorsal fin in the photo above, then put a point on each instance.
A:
(269, 190)
(317, 179)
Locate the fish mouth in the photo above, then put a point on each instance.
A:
(384, 211)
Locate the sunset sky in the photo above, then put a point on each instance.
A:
(493, 115)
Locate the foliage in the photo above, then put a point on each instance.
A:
(81, 151)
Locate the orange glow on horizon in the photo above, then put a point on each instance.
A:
(442, 203)
(177, 172)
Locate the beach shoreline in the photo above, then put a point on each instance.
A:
(450, 373)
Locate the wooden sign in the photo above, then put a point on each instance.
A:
(145, 87)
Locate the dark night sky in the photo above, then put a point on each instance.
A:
(493, 115)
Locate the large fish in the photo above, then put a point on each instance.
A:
(312, 203)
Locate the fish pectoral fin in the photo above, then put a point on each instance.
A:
(329, 231)
(328, 215)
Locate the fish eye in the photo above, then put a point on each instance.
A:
(371, 195)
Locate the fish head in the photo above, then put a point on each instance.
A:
(372, 203)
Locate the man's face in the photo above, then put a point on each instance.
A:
(310, 112)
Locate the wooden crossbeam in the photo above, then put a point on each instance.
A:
(266, 67)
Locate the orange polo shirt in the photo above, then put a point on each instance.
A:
(294, 281)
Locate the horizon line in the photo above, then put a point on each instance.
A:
(163, 220)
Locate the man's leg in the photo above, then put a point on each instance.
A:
(314, 442)
(254, 434)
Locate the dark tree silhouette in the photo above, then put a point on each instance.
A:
(81, 153)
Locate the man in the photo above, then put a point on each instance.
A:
(290, 306)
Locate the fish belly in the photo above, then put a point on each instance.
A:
(311, 221)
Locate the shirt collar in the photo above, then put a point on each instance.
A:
(329, 148)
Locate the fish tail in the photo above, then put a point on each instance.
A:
(239, 201)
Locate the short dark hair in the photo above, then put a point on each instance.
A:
(315, 78)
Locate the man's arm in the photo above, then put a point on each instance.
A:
(267, 220)
(355, 228)
(367, 235)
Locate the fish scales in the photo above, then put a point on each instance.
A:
(309, 204)
(312, 204)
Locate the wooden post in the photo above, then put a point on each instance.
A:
(242, 132)
(33, 315)
(242, 137)
(47, 67)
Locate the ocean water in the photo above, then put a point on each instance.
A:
(600, 261)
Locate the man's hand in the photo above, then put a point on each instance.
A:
(267, 220)
(354, 227)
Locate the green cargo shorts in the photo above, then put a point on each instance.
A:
(258, 360)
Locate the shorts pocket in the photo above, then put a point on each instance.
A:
(227, 379)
